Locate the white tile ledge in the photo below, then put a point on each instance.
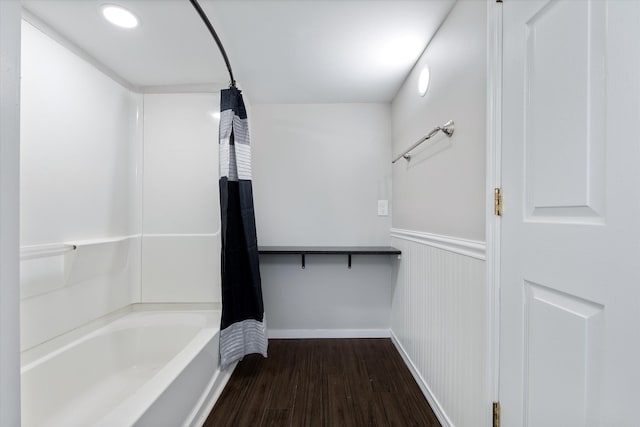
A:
(471, 248)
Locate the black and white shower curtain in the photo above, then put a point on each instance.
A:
(243, 329)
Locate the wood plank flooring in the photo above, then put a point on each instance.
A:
(323, 382)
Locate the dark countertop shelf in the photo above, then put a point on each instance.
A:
(329, 250)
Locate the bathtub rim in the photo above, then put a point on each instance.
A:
(56, 344)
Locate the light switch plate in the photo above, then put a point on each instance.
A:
(383, 208)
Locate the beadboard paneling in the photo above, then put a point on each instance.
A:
(438, 322)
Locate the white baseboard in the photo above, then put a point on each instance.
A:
(431, 398)
(328, 333)
(210, 396)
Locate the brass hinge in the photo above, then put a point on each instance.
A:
(496, 414)
(497, 201)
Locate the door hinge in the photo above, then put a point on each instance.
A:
(496, 414)
(497, 201)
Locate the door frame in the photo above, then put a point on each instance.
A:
(10, 21)
(493, 222)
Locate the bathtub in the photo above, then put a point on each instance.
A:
(143, 368)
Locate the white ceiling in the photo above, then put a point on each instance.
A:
(282, 51)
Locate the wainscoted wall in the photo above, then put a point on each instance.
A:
(438, 295)
(181, 239)
(438, 321)
(80, 147)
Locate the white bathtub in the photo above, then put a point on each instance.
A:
(146, 368)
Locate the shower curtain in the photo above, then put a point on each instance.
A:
(243, 329)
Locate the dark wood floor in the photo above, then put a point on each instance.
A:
(323, 382)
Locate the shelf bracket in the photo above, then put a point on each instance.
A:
(303, 262)
(349, 261)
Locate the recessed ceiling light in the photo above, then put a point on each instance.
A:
(119, 16)
(423, 81)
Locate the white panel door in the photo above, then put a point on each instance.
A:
(570, 250)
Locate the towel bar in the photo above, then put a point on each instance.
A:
(446, 128)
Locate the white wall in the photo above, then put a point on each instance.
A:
(181, 239)
(442, 189)
(9, 211)
(438, 303)
(318, 171)
(79, 183)
(326, 299)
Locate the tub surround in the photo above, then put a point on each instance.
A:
(129, 187)
(181, 214)
(138, 189)
(80, 184)
(62, 291)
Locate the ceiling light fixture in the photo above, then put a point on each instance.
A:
(119, 16)
(423, 81)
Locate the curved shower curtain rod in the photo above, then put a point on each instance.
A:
(206, 21)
